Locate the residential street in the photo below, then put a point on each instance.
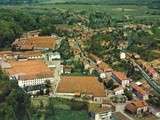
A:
(120, 108)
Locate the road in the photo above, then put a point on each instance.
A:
(150, 81)
(57, 73)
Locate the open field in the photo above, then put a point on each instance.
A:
(139, 12)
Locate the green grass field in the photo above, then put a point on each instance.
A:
(61, 114)
(62, 110)
(71, 115)
(114, 10)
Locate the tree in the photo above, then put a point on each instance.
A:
(48, 84)
(128, 94)
(47, 30)
(65, 49)
(110, 84)
(14, 103)
(50, 109)
(99, 20)
(95, 73)
(78, 66)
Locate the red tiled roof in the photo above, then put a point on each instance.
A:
(135, 104)
(81, 84)
(30, 69)
(152, 71)
(35, 42)
(139, 89)
(120, 75)
(105, 67)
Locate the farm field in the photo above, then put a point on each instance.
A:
(114, 10)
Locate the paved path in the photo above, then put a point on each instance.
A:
(120, 108)
(56, 75)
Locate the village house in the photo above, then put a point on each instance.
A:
(103, 68)
(30, 72)
(153, 73)
(119, 91)
(34, 33)
(137, 26)
(156, 63)
(51, 56)
(137, 107)
(101, 113)
(86, 64)
(95, 58)
(53, 60)
(85, 87)
(149, 69)
(67, 69)
(121, 78)
(35, 43)
(140, 92)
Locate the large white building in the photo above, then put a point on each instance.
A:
(30, 72)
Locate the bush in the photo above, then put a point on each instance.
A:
(76, 105)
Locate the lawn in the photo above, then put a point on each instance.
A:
(37, 101)
(71, 115)
(61, 114)
(63, 110)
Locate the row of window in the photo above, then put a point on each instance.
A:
(32, 82)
